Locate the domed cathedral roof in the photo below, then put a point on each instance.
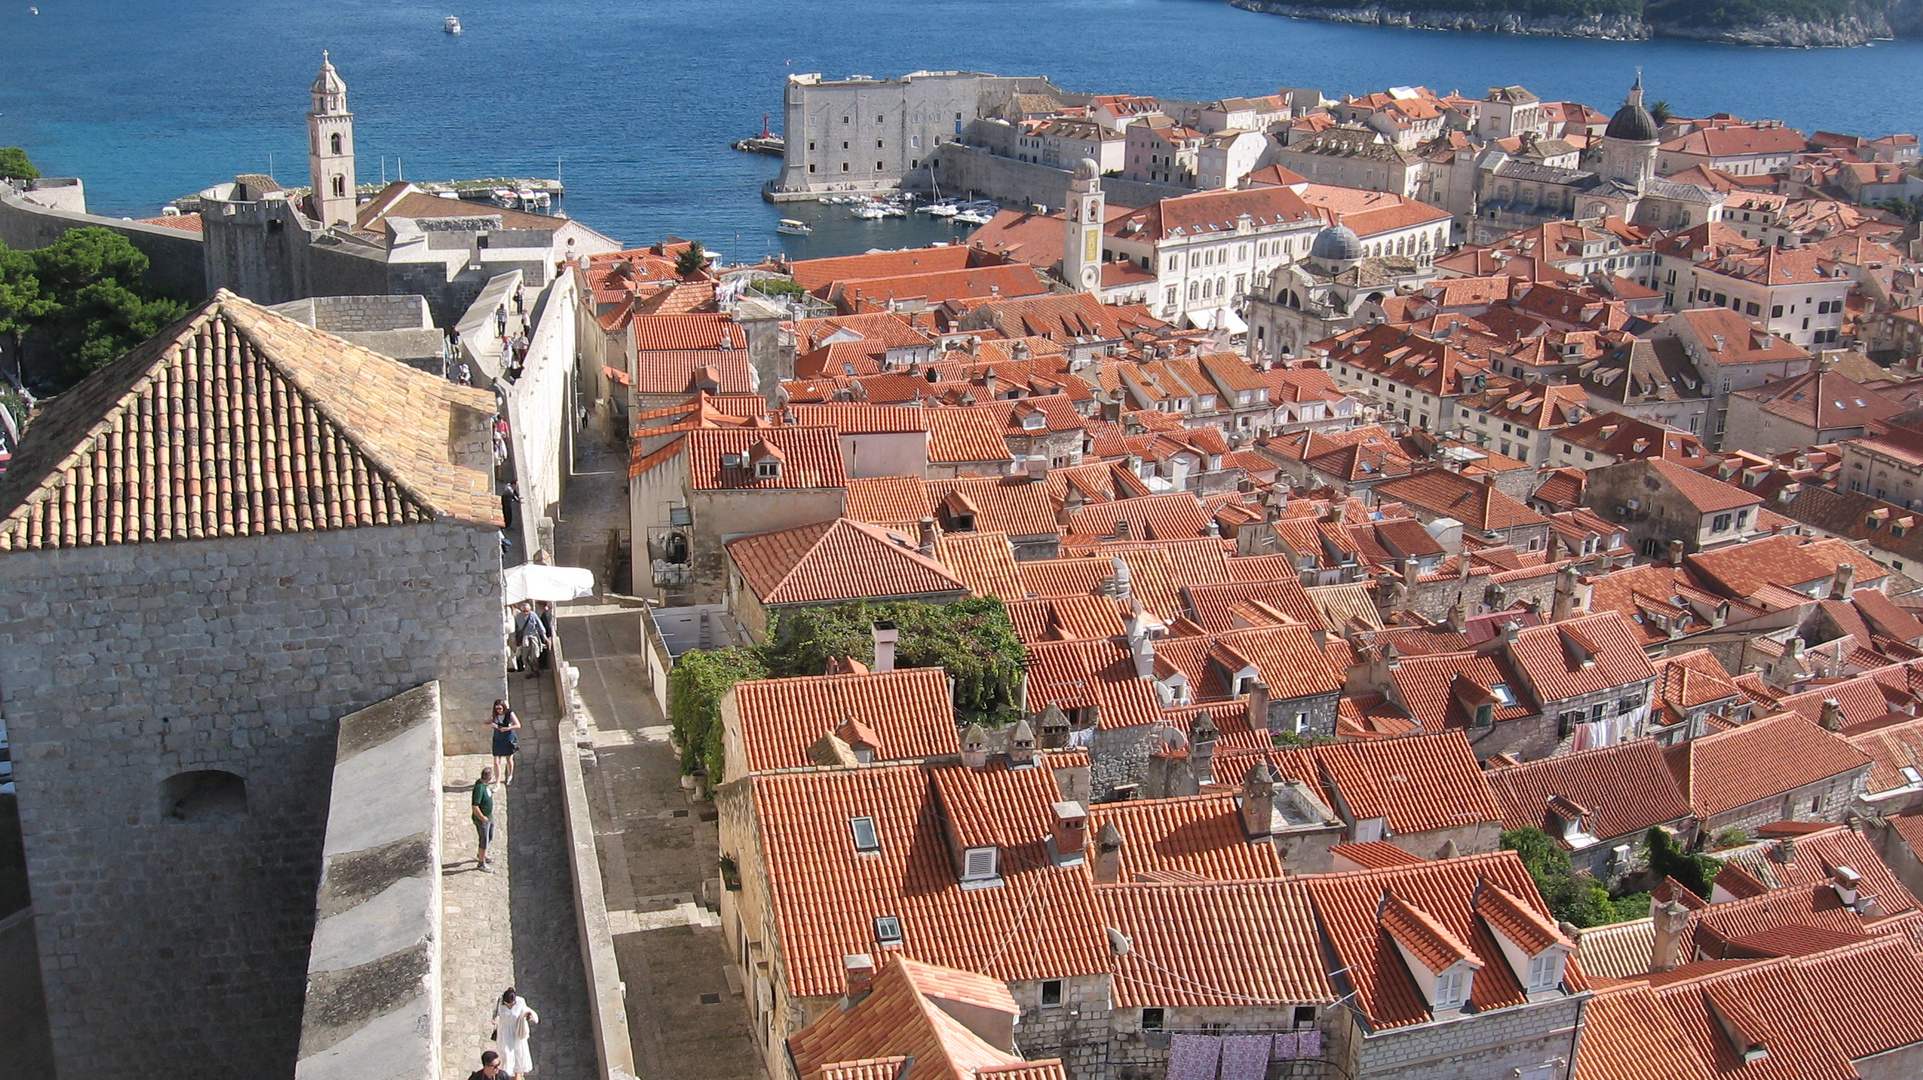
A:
(1087, 169)
(1633, 122)
(1335, 244)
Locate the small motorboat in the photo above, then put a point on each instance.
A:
(971, 217)
(868, 212)
(793, 228)
(941, 209)
(451, 24)
(503, 197)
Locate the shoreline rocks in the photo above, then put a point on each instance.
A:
(1783, 33)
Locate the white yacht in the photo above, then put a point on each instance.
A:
(793, 228)
(452, 25)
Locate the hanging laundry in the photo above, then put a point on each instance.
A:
(1308, 1044)
(1283, 1047)
(1193, 1057)
(1245, 1057)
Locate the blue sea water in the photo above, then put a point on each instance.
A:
(636, 101)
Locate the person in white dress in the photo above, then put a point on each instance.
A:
(514, 1021)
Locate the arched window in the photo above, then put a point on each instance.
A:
(203, 795)
(340, 187)
(1192, 288)
(334, 142)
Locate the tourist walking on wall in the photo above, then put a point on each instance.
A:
(500, 321)
(482, 804)
(490, 1068)
(504, 725)
(514, 1022)
(520, 300)
(510, 498)
(532, 635)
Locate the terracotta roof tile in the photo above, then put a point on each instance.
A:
(1453, 495)
(1215, 944)
(1150, 517)
(963, 436)
(1017, 506)
(1080, 674)
(1373, 855)
(902, 1020)
(909, 713)
(1286, 658)
(1199, 834)
(810, 458)
(1758, 760)
(1420, 783)
(1436, 901)
(1581, 656)
(837, 560)
(892, 501)
(1627, 786)
(1617, 951)
(984, 561)
(238, 421)
(1041, 924)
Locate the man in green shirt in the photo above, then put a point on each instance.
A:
(483, 804)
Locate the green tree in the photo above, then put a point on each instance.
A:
(15, 166)
(971, 639)
(93, 304)
(1575, 899)
(691, 262)
(22, 302)
(1660, 111)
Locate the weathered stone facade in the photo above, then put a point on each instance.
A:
(126, 669)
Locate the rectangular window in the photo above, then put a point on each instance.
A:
(1721, 523)
(1051, 993)
(1153, 1018)
(1449, 990)
(1776, 311)
(1628, 705)
(1545, 970)
(1304, 1016)
(979, 863)
(887, 930)
(866, 838)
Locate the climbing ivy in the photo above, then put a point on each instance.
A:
(695, 687)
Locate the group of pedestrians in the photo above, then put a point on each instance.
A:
(514, 1019)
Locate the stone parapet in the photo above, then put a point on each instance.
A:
(373, 1005)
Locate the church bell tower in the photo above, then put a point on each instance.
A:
(330, 148)
(1082, 248)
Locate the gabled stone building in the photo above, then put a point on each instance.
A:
(211, 550)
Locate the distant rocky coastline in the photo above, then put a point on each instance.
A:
(1863, 24)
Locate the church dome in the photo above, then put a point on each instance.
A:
(1087, 169)
(329, 81)
(1632, 123)
(1337, 243)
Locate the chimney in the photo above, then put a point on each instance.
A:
(1458, 616)
(1021, 744)
(886, 635)
(1793, 648)
(1672, 929)
(1069, 835)
(1564, 604)
(1258, 801)
(1848, 885)
(1258, 706)
(974, 747)
(1832, 717)
(1845, 580)
(1037, 467)
(1142, 646)
(1411, 572)
(1675, 553)
(1108, 854)
(860, 968)
(1786, 851)
(926, 537)
(1202, 735)
(1121, 529)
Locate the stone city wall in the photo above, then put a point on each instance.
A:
(373, 1003)
(540, 408)
(131, 674)
(174, 255)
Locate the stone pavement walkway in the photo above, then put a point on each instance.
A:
(514, 927)
(657, 846)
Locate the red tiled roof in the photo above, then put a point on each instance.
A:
(984, 561)
(1375, 855)
(1741, 569)
(837, 560)
(909, 713)
(902, 1019)
(963, 436)
(1354, 918)
(1017, 505)
(663, 333)
(893, 501)
(1286, 658)
(1451, 494)
(810, 458)
(812, 274)
(1042, 924)
(239, 421)
(1627, 787)
(1580, 656)
(1758, 760)
(1200, 835)
(1079, 674)
(1416, 784)
(1220, 944)
(1151, 517)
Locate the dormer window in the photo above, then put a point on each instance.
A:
(1452, 988)
(979, 864)
(867, 840)
(888, 931)
(1034, 421)
(1504, 695)
(767, 469)
(1485, 715)
(1545, 970)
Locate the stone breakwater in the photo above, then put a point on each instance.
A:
(1869, 24)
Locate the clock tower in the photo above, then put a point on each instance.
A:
(1082, 249)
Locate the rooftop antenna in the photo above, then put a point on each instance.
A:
(270, 163)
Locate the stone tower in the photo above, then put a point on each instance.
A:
(1629, 143)
(330, 148)
(1082, 248)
